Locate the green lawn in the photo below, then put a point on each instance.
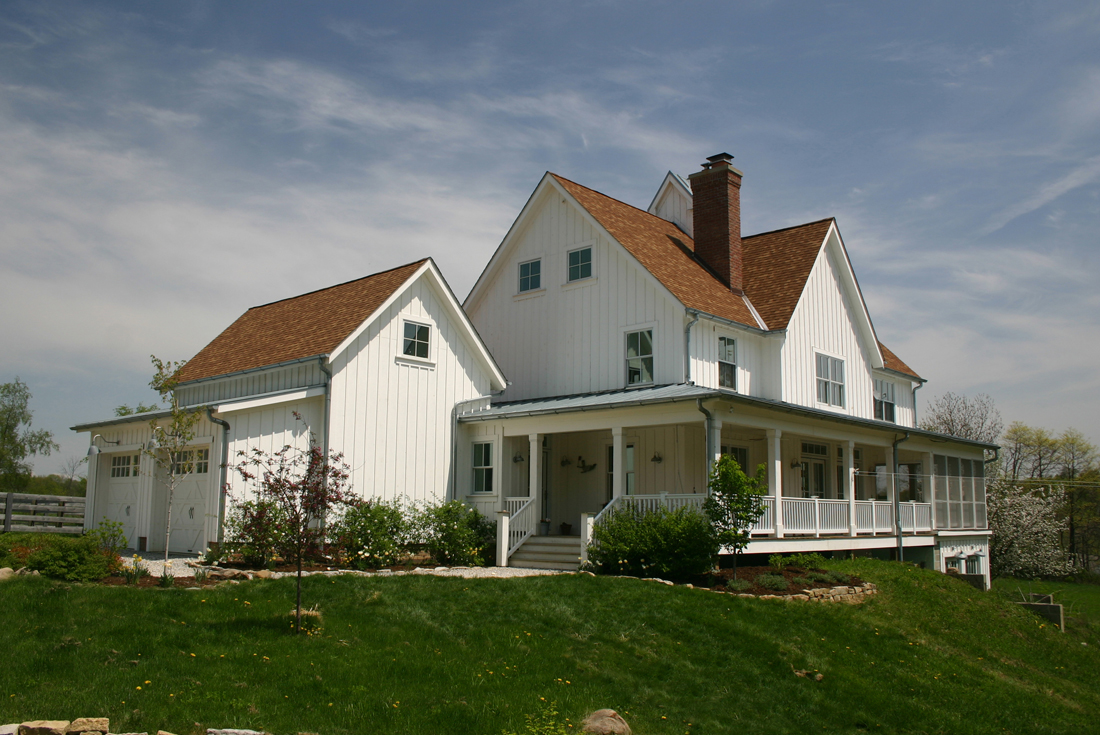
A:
(445, 655)
(1081, 603)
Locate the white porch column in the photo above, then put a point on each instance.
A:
(927, 481)
(715, 445)
(534, 461)
(502, 537)
(775, 476)
(849, 472)
(617, 470)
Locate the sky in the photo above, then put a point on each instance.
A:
(165, 166)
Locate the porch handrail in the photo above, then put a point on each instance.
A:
(606, 509)
(521, 524)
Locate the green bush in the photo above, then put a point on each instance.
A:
(454, 533)
(801, 582)
(371, 534)
(256, 529)
(825, 577)
(660, 542)
(839, 577)
(778, 561)
(738, 585)
(76, 559)
(801, 561)
(771, 582)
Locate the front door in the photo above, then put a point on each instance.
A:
(813, 478)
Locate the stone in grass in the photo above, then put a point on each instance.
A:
(605, 722)
(6, 573)
(89, 726)
(9, 729)
(44, 727)
(212, 731)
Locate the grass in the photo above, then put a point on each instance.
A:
(1081, 603)
(446, 655)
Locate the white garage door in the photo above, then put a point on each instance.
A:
(189, 507)
(122, 494)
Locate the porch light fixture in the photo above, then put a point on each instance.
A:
(657, 458)
(518, 458)
(93, 450)
(796, 464)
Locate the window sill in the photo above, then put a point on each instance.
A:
(637, 386)
(532, 294)
(414, 361)
(579, 283)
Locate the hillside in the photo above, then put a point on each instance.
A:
(446, 655)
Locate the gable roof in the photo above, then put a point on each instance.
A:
(776, 266)
(314, 323)
(893, 362)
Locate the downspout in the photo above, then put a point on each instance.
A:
(224, 472)
(687, 345)
(897, 503)
(328, 398)
(916, 387)
(706, 430)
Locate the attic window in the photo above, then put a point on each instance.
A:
(530, 276)
(580, 264)
(416, 340)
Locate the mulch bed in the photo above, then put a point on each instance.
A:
(717, 581)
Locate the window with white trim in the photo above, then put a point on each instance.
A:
(973, 564)
(580, 264)
(639, 357)
(195, 461)
(727, 363)
(830, 380)
(125, 465)
(416, 340)
(483, 467)
(884, 400)
(530, 275)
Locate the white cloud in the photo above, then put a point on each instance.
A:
(1085, 173)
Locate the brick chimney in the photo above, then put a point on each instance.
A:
(716, 218)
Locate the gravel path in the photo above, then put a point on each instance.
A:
(181, 565)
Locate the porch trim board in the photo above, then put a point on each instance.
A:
(792, 545)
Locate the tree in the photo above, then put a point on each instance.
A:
(17, 440)
(71, 469)
(734, 504)
(974, 418)
(1026, 526)
(304, 485)
(171, 437)
(1076, 456)
(125, 410)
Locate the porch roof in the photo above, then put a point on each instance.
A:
(683, 392)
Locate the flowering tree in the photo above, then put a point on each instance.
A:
(1026, 525)
(304, 485)
(734, 503)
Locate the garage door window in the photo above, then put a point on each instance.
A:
(125, 465)
(191, 460)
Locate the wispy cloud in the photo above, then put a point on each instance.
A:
(1085, 173)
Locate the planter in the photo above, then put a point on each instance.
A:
(544, 528)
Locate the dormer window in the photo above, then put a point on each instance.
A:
(639, 357)
(727, 363)
(884, 401)
(580, 264)
(417, 337)
(830, 381)
(530, 276)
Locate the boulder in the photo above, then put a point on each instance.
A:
(89, 726)
(6, 573)
(263, 574)
(605, 722)
(9, 729)
(44, 727)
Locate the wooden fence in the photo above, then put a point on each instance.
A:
(25, 512)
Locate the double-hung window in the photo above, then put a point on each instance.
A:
(530, 276)
(830, 380)
(639, 357)
(415, 343)
(727, 363)
(884, 400)
(483, 467)
(580, 264)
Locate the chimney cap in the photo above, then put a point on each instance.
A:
(721, 157)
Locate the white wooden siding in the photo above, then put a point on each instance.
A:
(756, 359)
(824, 322)
(269, 429)
(569, 337)
(391, 417)
(302, 375)
(673, 206)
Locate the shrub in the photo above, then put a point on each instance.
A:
(771, 582)
(256, 530)
(74, 559)
(824, 577)
(631, 541)
(111, 539)
(801, 561)
(454, 533)
(778, 561)
(738, 585)
(371, 534)
(839, 577)
(801, 582)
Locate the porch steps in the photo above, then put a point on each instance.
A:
(548, 552)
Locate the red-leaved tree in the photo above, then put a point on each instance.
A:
(305, 485)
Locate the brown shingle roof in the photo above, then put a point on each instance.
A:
(665, 251)
(776, 266)
(311, 324)
(893, 362)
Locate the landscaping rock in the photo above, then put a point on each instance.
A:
(229, 574)
(44, 727)
(6, 573)
(263, 574)
(164, 732)
(28, 570)
(211, 731)
(9, 729)
(89, 726)
(605, 722)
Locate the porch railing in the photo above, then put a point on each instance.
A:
(521, 523)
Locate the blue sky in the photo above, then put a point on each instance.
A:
(164, 166)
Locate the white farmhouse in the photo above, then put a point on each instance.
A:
(642, 345)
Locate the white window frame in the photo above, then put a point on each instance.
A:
(191, 462)
(834, 388)
(483, 470)
(732, 450)
(727, 344)
(520, 277)
(591, 264)
(125, 465)
(405, 323)
(885, 395)
(640, 356)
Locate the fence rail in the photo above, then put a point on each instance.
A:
(26, 512)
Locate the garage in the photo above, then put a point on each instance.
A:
(189, 506)
(122, 493)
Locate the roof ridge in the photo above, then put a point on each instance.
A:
(617, 201)
(338, 285)
(790, 227)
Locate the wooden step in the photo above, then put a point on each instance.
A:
(548, 552)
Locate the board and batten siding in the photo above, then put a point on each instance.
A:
(289, 377)
(390, 415)
(676, 208)
(569, 338)
(757, 367)
(270, 428)
(824, 322)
